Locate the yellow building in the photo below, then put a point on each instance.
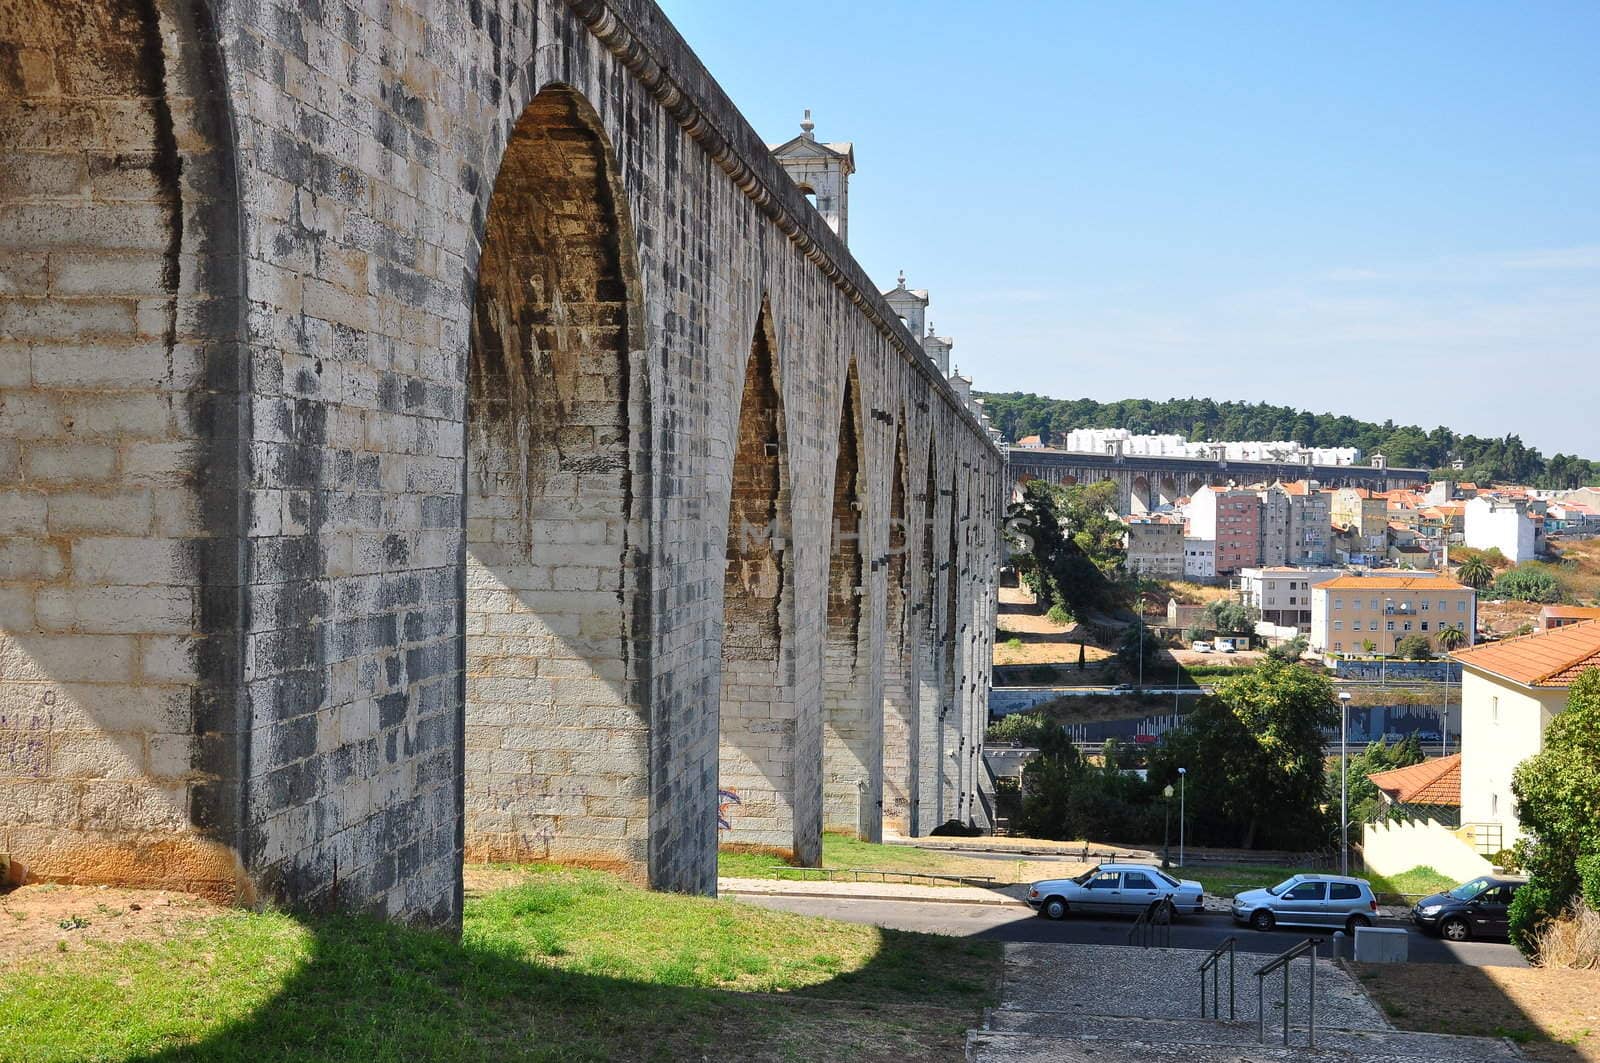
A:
(1353, 610)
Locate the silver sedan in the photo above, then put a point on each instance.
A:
(1114, 889)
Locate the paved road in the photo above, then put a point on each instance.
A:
(1007, 923)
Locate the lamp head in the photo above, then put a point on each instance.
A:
(1168, 791)
(1183, 771)
(1344, 696)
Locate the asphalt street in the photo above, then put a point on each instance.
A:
(1018, 923)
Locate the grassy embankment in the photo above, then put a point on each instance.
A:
(1225, 881)
(561, 965)
(844, 851)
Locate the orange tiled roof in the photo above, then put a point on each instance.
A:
(1433, 782)
(1544, 659)
(1570, 612)
(1391, 583)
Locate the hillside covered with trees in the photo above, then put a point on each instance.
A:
(1019, 414)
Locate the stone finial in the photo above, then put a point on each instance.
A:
(930, 326)
(807, 125)
(902, 279)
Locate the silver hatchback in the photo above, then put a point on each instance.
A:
(1332, 901)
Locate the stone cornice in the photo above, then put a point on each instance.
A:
(640, 35)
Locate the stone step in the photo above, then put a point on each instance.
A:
(995, 1046)
(1198, 1031)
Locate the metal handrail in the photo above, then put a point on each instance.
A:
(1213, 963)
(1283, 960)
(1143, 930)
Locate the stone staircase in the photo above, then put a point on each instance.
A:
(1109, 1004)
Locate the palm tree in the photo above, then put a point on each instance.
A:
(1451, 638)
(1475, 573)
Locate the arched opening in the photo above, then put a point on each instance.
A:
(852, 745)
(1139, 501)
(757, 732)
(952, 760)
(1195, 484)
(1169, 493)
(926, 812)
(1069, 480)
(557, 725)
(120, 449)
(900, 731)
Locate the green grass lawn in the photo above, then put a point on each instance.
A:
(566, 965)
(844, 851)
(1225, 881)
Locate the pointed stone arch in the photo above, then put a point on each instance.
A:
(900, 724)
(852, 725)
(556, 610)
(757, 775)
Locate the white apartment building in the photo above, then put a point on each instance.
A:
(1199, 559)
(1502, 524)
(1282, 593)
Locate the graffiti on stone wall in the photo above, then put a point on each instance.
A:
(726, 799)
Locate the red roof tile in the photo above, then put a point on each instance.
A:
(1545, 659)
(1433, 782)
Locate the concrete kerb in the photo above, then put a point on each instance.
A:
(869, 891)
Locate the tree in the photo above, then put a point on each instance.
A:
(1558, 803)
(1137, 642)
(1365, 803)
(1229, 617)
(1475, 572)
(1452, 638)
(1071, 545)
(1290, 650)
(1022, 728)
(1254, 754)
(1415, 647)
(1528, 583)
(1047, 780)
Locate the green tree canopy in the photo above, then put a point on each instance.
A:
(1558, 803)
(1528, 583)
(1414, 647)
(1254, 755)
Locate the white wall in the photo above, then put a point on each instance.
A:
(1395, 848)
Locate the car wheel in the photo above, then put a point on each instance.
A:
(1353, 922)
(1263, 920)
(1455, 929)
(1054, 908)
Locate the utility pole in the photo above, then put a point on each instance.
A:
(1344, 782)
(1183, 777)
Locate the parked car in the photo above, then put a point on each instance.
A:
(1112, 889)
(1122, 688)
(1475, 909)
(1201, 647)
(1309, 900)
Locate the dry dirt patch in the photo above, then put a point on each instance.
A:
(45, 919)
(1554, 1014)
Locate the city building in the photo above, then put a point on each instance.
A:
(1498, 523)
(1231, 518)
(1282, 593)
(1427, 791)
(1199, 559)
(1353, 610)
(1301, 509)
(1155, 547)
(1554, 616)
(1122, 441)
(1510, 691)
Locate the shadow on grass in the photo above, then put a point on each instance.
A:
(361, 989)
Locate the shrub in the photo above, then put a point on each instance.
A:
(1058, 614)
(1528, 583)
(1505, 858)
(1571, 939)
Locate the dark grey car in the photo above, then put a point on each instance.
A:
(1331, 901)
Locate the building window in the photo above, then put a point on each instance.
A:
(1338, 625)
(1461, 605)
(1494, 710)
(1374, 603)
(1443, 606)
(1390, 626)
(1407, 626)
(1494, 804)
(1424, 625)
(1338, 603)
(1338, 647)
(1424, 605)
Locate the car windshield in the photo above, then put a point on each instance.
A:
(1277, 891)
(1084, 878)
(1468, 890)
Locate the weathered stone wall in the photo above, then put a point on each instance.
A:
(376, 448)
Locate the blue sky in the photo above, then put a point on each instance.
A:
(1386, 210)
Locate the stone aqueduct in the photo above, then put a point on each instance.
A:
(437, 429)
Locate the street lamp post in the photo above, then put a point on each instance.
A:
(1344, 782)
(1183, 776)
(1166, 829)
